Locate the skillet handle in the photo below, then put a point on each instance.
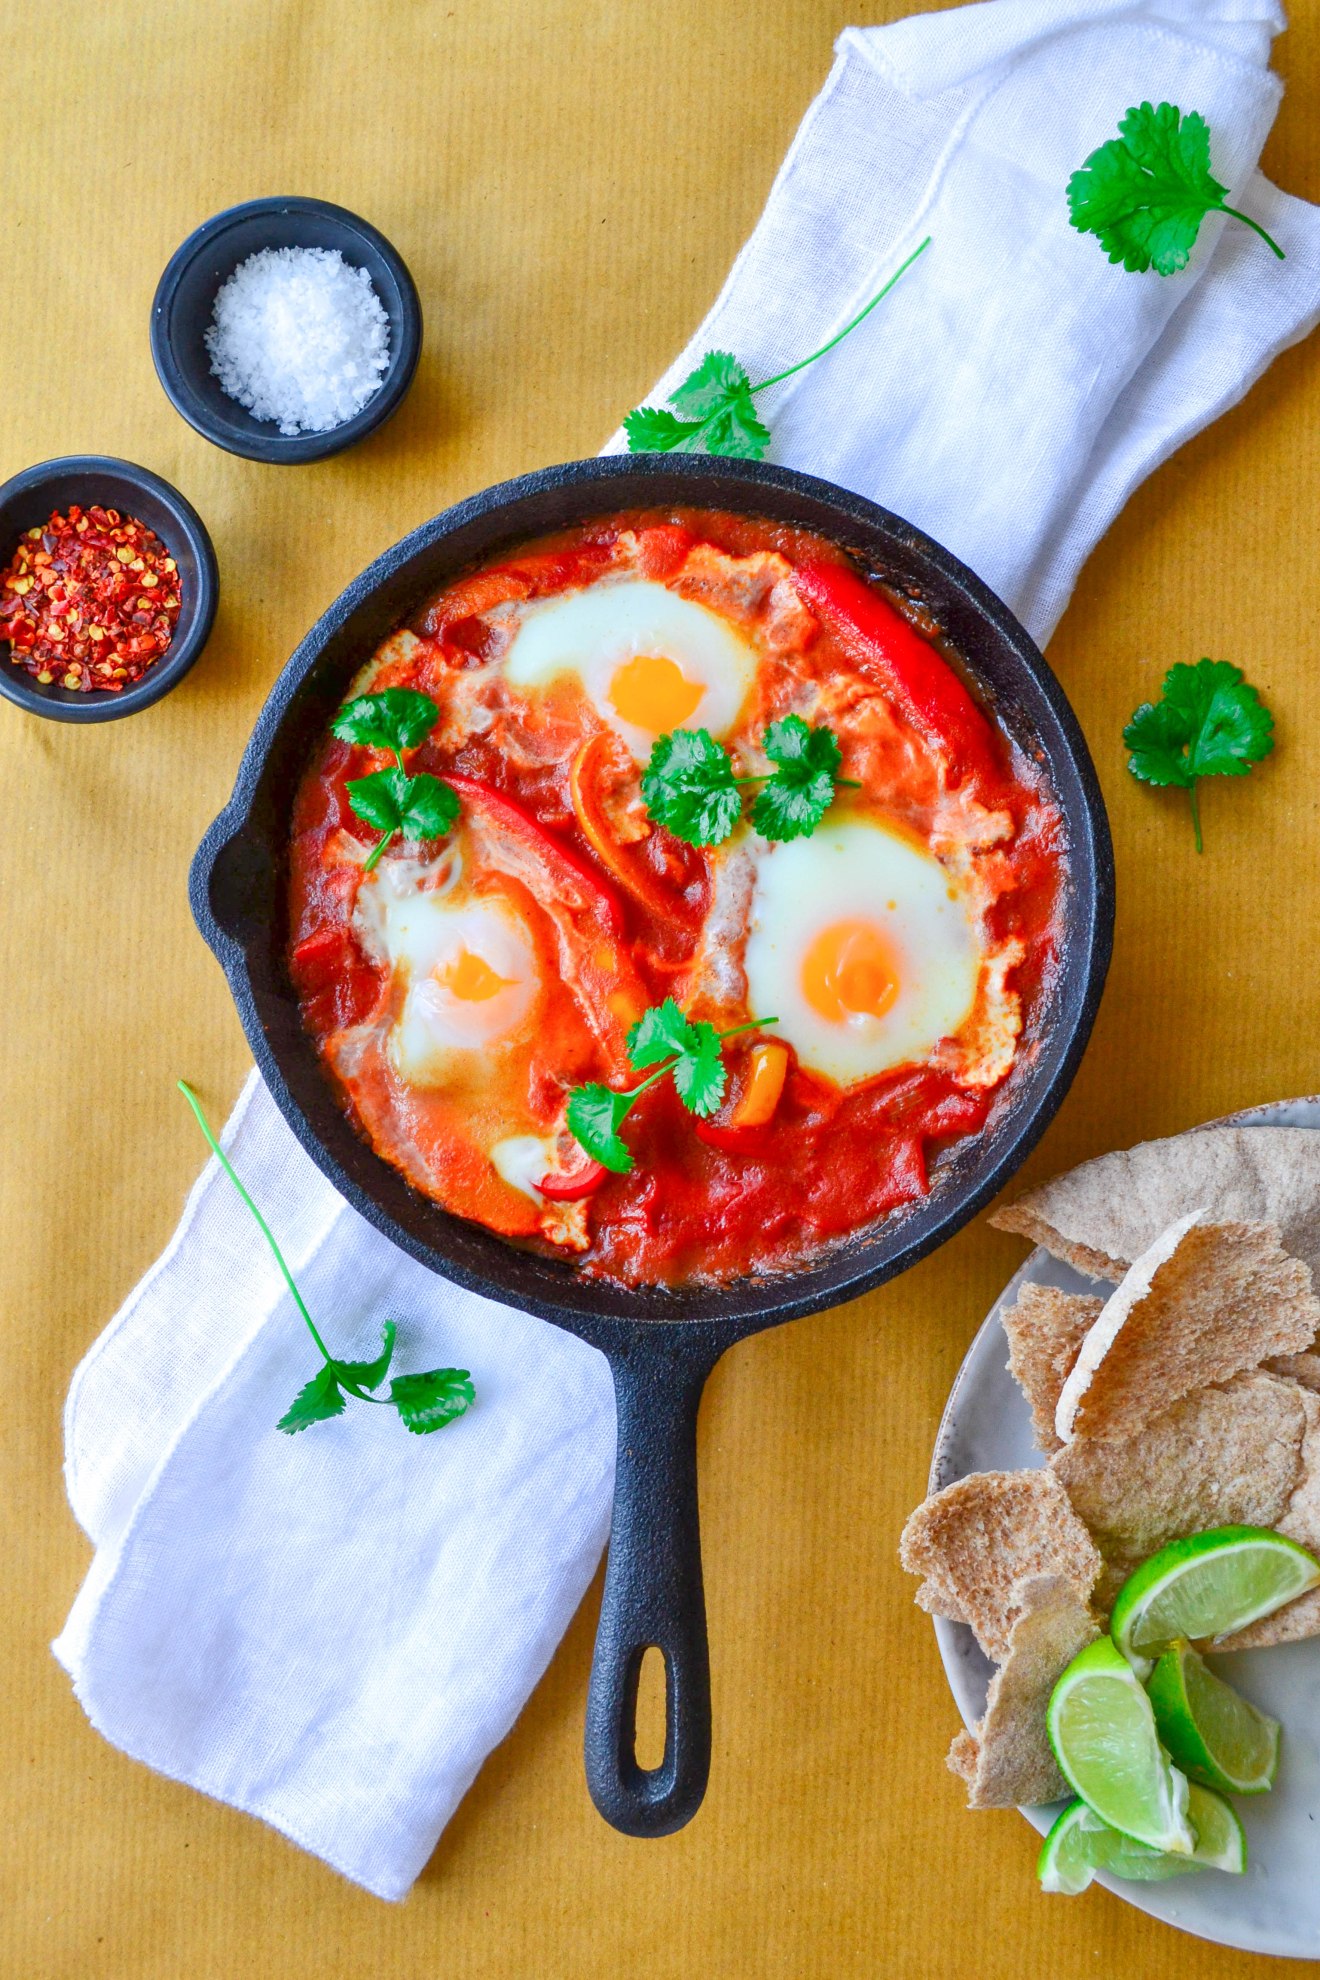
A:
(653, 1592)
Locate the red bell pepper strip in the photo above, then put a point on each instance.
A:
(891, 653)
(521, 824)
(571, 1188)
(333, 979)
(661, 549)
(320, 959)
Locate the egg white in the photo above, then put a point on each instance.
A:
(859, 871)
(420, 931)
(595, 632)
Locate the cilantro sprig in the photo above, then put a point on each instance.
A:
(689, 787)
(1208, 722)
(424, 1402)
(673, 1045)
(419, 807)
(1145, 193)
(714, 408)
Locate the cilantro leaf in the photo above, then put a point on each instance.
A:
(652, 430)
(735, 429)
(397, 718)
(429, 808)
(380, 799)
(672, 1043)
(430, 1400)
(1157, 737)
(708, 389)
(730, 428)
(659, 1034)
(1145, 193)
(800, 751)
(318, 1399)
(699, 1075)
(714, 411)
(595, 1115)
(1209, 722)
(802, 789)
(718, 396)
(425, 1402)
(688, 787)
(370, 1374)
(1229, 723)
(421, 807)
(715, 406)
(662, 1036)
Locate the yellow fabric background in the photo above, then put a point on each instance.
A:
(569, 180)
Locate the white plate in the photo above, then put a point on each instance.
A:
(1275, 1907)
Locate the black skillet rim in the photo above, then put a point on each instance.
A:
(266, 443)
(605, 1313)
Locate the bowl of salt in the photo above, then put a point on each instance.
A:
(286, 329)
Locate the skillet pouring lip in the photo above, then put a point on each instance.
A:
(237, 884)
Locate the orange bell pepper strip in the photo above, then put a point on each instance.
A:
(627, 872)
(765, 1083)
(551, 851)
(747, 1131)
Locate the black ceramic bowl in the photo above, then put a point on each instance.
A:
(36, 494)
(661, 1345)
(185, 299)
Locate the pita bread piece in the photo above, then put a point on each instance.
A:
(1203, 1303)
(1006, 1760)
(1303, 1368)
(1300, 1522)
(1045, 1329)
(1226, 1456)
(979, 1540)
(1102, 1216)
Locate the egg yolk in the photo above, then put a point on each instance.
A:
(653, 693)
(850, 970)
(471, 978)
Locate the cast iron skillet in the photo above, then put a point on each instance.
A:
(661, 1346)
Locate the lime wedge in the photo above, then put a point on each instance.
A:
(1102, 1729)
(1214, 1735)
(1079, 1844)
(1208, 1586)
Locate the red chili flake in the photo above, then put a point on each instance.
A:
(90, 601)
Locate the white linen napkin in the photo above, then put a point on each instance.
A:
(332, 1630)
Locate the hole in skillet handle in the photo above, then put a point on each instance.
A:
(651, 1710)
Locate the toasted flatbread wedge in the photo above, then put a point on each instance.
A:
(1045, 1330)
(1204, 1302)
(1102, 1216)
(1300, 1522)
(979, 1540)
(1006, 1760)
(1303, 1368)
(1226, 1456)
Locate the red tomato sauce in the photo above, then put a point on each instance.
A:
(550, 814)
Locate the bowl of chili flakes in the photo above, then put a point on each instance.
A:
(108, 588)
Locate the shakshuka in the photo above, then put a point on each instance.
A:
(882, 969)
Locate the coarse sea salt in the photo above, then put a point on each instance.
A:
(299, 337)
